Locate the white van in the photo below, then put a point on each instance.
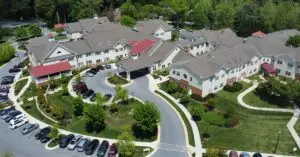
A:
(17, 123)
(20, 116)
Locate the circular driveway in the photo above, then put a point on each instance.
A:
(173, 140)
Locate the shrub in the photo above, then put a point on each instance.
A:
(205, 135)
(235, 87)
(293, 41)
(214, 118)
(114, 108)
(211, 103)
(170, 87)
(197, 111)
(202, 99)
(232, 122)
(127, 21)
(185, 99)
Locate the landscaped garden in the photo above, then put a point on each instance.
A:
(20, 85)
(115, 79)
(60, 37)
(158, 73)
(224, 124)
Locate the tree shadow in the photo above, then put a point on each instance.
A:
(141, 134)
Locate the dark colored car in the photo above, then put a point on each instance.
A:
(14, 70)
(42, 132)
(88, 93)
(107, 97)
(45, 138)
(20, 65)
(8, 77)
(6, 81)
(100, 67)
(103, 149)
(63, 143)
(12, 115)
(94, 69)
(257, 155)
(233, 154)
(4, 89)
(82, 87)
(113, 150)
(93, 98)
(107, 66)
(82, 145)
(90, 149)
(94, 72)
(5, 111)
(29, 128)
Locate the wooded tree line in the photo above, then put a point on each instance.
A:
(245, 16)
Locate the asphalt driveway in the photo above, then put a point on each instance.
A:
(173, 140)
(4, 69)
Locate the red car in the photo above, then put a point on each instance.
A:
(233, 154)
(113, 150)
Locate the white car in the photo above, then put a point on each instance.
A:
(18, 117)
(17, 123)
(74, 142)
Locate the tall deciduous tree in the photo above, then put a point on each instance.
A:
(178, 7)
(95, 118)
(147, 116)
(201, 13)
(125, 145)
(78, 106)
(128, 21)
(128, 9)
(223, 16)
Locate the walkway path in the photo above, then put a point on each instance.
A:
(291, 128)
(242, 103)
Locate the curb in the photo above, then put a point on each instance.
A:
(112, 85)
(50, 148)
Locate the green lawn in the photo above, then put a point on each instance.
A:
(60, 37)
(30, 91)
(254, 100)
(139, 152)
(255, 77)
(115, 79)
(25, 73)
(31, 109)
(185, 119)
(257, 131)
(297, 127)
(19, 86)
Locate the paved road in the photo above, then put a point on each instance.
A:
(172, 143)
(26, 146)
(4, 69)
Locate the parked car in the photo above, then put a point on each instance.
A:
(107, 97)
(4, 100)
(103, 149)
(6, 81)
(63, 143)
(29, 128)
(257, 155)
(100, 67)
(4, 89)
(74, 142)
(41, 133)
(20, 65)
(88, 93)
(82, 87)
(92, 147)
(17, 123)
(17, 117)
(7, 114)
(233, 154)
(93, 98)
(11, 116)
(113, 150)
(14, 70)
(89, 74)
(107, 66)
(94, 70)
(244, 154)
(83, 143)
(8, 77)
(45, 138)
(5, 111)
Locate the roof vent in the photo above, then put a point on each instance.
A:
(100, 44)
(108, 43)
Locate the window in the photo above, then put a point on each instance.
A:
(184, 75)
(58, 52)
(121, 49)
(163, 66)
(192, 47)
(174, 72)
(106, 59)
(98, 61)
(191, 79)
(71, 59)
(279, 62)
(290, 65)
(197, 46)
(79, 56)
(178, 73)
(221, 85)
(298, 66)
(288, 73)
(216, 87)
(278, 70)
(98, 53)
(197, 53)
(88, 54)
(79, 64)
(108, 43)
(106, 51)
(89, 62)
(154, 67)
(116, 50)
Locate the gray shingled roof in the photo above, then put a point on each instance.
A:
(79, 46)
(149, 26)
(165, 49)
(141, 62)
(74, 27)
(86, 24)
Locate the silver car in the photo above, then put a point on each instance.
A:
(82, 144)
(74, 142)
(29, 128)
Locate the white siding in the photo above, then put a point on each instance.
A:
(160, 33)
(283, 68)
(58, 52)
(168, 60)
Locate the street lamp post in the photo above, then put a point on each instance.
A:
(279, 133)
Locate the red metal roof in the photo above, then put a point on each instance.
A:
(141, 46)
(43, 70)
(268, 68)
(259, 34)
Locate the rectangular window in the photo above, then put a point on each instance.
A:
(79, 56)
(88, 54)
(290, 65)
(98, 53)
(71, 58)
(288, 73)
(116, 50)
(278, 70)
(89, 62)
(79, 64)
(279, 62)
(106, 51)
(192, 47)
(98, 61)
(191, 79)
(154, 67)
(178, 73)
(106, 59)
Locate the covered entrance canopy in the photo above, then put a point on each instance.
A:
(268, 69)
(138, 67)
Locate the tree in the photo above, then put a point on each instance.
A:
(35, 30)
(95, 118)
(293, 41)
(125, 145)
(178, 7)
(53, 133)
(269, 11)
(128, 21)
(21, 33)
(223, 16)
(7, 154)
(197, 111)
(128, 9)
(202, 12)
(7, 52)
(185, 99)
(121, 93)
(248, 20)
(175, 35)
(78, 106)
(78, 78)
(170, 87)
(99, 99)
(147, 116)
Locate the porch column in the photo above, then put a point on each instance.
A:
(128, 75)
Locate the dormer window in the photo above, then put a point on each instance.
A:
(99, 44)
(58, 52)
